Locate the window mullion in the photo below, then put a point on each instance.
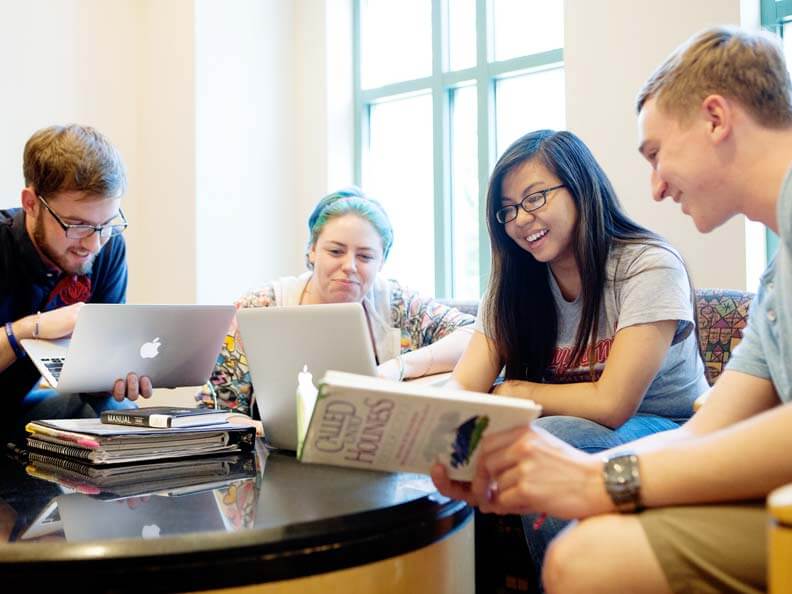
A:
(441, 152)
(486, 130)
(361, 116)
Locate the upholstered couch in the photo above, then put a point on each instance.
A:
(501, 556)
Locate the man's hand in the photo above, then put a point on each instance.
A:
(527, 470)
(132, 387)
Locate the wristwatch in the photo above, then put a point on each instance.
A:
(623, 481)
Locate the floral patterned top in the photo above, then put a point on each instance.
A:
(393, 310)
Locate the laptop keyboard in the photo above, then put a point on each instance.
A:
(54, 364)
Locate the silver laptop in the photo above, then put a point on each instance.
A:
(279, 341)
(174, 345)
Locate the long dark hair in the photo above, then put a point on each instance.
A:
(520, 315)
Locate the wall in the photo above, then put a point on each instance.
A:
(161, 202)
(602, 80)
(226, 156)
(324, 129)
(245, 145)
(66, 61)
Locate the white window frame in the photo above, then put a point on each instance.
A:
(442, 83)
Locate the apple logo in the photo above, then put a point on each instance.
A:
(150, 531)
(149, 350)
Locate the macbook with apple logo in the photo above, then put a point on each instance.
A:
(280, 341)
(174, 345)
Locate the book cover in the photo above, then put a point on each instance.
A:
(367, 422)
(99, 443)
(165, 416)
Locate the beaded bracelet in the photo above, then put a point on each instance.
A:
(18, 350)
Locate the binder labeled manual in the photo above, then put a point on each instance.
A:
(99, 443)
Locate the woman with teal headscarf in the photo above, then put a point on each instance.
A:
(349, 239)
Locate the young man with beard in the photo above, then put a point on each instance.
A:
(63, 248)
(715, 125)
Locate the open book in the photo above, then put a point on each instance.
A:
(368, 422)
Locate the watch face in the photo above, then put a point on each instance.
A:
(622, 481)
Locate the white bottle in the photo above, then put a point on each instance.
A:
(306, 399)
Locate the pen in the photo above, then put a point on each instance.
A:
(539, 521)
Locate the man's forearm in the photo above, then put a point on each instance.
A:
(743, 461)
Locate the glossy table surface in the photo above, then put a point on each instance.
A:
(276, 519)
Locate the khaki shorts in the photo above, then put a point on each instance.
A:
(710, 548)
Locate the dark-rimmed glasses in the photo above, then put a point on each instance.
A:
(115, 227)
(532, 202)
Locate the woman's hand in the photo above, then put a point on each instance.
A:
(515, 388)
(527, 470)
(390, 369)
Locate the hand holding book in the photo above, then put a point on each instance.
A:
(367, 422)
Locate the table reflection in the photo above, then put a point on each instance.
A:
(228, 493)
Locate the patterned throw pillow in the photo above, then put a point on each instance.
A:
(722, 315)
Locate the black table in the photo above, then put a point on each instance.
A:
(290, 526)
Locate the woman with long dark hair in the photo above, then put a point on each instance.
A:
(588, 313)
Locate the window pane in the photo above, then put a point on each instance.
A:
(524, 27)
(398, 171)
(528, 102)
(396, 41)
(465, 193)
(461, 34)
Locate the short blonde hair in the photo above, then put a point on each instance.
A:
(743, 66)
(73, 158)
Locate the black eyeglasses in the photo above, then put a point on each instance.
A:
(115, 227)
(530, 203)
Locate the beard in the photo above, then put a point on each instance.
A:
(59, 259)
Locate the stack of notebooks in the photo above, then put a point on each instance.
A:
(95, 442)
(117, 460)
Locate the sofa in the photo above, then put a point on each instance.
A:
(502, 565)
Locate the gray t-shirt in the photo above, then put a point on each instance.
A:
(646, 283)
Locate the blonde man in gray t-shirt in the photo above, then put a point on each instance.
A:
(683, 510)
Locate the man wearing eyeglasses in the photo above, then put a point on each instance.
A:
(63, 248)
